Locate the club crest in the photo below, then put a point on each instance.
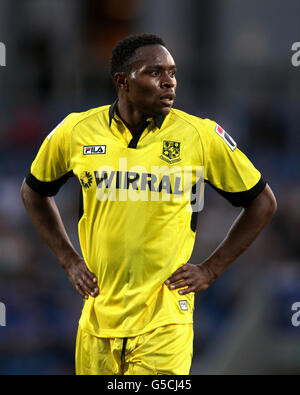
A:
(171, 151)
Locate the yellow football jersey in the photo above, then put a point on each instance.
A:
(141, 196)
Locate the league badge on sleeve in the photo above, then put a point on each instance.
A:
(226, 137)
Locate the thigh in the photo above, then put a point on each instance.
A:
(166, 350)
(97, 356)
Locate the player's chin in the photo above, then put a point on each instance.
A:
(165, 108)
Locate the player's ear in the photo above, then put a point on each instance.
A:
(121, 81)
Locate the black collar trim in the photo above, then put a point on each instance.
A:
(158, 119)
(111, 111)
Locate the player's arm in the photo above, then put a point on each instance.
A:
(236, 179)
(47, 220)
(50, 169)
(251, 221)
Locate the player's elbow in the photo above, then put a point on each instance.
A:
(273, 206)
(22, 191)
(271, 202)
(266, 203)
(25, 193)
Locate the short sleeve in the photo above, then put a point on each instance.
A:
(51, 167)
(227, 169)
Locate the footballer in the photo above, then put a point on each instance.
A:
(141, 165)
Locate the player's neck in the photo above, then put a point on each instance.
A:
(132, 117)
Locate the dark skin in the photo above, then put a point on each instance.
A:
(245, 229)
(46, 218)
(146, 90)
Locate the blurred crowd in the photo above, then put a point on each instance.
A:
(42, 309)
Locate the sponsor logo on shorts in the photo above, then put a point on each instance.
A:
(183, 305)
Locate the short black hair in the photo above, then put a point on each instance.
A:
(125, 48)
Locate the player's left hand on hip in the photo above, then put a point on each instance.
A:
(196, 278)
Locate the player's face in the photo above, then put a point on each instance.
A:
(151, 81)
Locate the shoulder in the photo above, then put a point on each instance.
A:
(204, 128)
(76, 118)
(64, 130)
(193, 120)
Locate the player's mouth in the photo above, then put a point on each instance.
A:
(168, 99)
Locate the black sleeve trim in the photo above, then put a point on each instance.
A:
(81, 210)
(241, 199)
(47, 188)
(194, 220)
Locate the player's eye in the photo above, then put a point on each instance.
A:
(154, 73)
(172, 73)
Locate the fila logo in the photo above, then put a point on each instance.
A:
(94, 149)
(225, 136)
(183, 305)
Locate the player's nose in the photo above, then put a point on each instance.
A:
(167, 81)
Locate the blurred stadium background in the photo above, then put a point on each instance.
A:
(234, 61)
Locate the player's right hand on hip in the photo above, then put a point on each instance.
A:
(84, 281)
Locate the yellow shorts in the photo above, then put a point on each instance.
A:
(165, 350)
